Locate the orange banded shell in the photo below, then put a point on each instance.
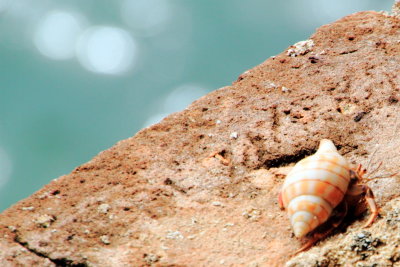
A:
(314, 187)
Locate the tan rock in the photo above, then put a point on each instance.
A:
(200, 188)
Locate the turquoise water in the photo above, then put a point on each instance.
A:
(78, 77)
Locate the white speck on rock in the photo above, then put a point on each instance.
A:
(44, 195)
(12, 228)
(174, 235)
(151, 258)
(269, 84)
(218, 121)
(103, 208)
(217, 203)
(300, 48)
(285, 89)
(234, 135)
(105, 239)
(28, 208)
(252, 214)
(45, 220)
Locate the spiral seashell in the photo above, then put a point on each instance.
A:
(314, 187)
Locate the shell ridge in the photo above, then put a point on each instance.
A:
(316, 180)
(320, 202)
(339, 163)
(304, 220)
(311, 169)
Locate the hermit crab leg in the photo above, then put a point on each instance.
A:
(358, 189)
(359, 172)
(280, 201)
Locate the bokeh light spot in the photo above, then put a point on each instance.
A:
(56, 34)
(106, 50)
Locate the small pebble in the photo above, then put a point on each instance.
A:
(360, 235)
(216, 203)
(45, 220)
(28, 208)
(151, 258)
(300, 48)
(105, 239)
(234, 135)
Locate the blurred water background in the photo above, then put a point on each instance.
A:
(78, 76)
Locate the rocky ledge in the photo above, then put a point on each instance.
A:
(200, 188)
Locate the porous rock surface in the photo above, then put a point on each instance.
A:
(200, 188)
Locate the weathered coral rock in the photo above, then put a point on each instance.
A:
(200, 188)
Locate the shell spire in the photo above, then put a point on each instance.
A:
(326, 146)
(314, 187)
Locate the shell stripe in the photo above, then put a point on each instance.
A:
(305, 216)
(329, 192)
(318, 160)
(320, 181)
(313, 204)
(337, 170)
(323, 157)
(293, 179)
